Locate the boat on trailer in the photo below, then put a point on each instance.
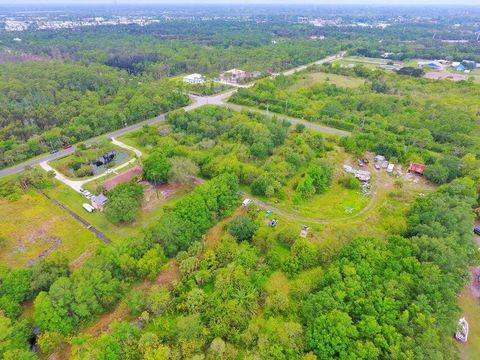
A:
(462, 330)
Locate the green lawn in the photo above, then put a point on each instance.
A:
(309, 79)
(145, 219)
(470, 307)
(32, 225)
(63, 164)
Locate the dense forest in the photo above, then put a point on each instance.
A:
(47, 105)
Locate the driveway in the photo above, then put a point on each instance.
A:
(78, 184)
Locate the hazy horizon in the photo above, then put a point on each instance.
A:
(243, 2)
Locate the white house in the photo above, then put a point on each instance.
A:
(194, 79)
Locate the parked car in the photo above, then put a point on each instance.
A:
(54, 151)
(67, 146)
(476, 230)
(246, 202)
(273, 223)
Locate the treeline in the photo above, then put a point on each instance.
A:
(175, 47)
(396, 298)
(44, 106)
(258, 132)
(192, 216)
(17, 286)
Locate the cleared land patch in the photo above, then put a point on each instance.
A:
(33, 228)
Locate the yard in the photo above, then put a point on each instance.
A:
(33, 228)
(307, 79)
(151, 210)
(78, 165)
(371, 63)
(469, 303)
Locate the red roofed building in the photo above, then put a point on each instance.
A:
(416, 168)
(126, 176)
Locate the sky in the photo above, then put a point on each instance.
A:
(244, 2)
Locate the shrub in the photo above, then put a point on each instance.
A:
(243, 228)
(349, 182)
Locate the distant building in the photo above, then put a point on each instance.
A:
(415, 168)
(99, 202)
(460, 67)
(434, 65)
(194, 79)
(234, 76)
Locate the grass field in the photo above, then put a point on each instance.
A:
(314, 78)
(371, 63)
(32, 226)
(470, 307)
(145, 219)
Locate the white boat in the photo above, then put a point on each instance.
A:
(462, 330)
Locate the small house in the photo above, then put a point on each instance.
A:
(379, 158)
(415, 168)
(234, 76)
(99, 202)
(195, 79)
(390, 168)
(434, 65)
(460, 67)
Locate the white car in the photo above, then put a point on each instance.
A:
(246, 202)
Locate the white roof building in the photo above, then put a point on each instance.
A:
(194, 79)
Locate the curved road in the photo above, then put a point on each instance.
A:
(197, 101)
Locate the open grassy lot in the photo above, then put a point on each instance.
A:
(313, 78)
(32, 228)
(367, 62)
(470, 306)
(149, 213)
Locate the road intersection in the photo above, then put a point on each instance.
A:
(197, 101)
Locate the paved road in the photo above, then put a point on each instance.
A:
(197, 101)
(319, 62)
(294, 121)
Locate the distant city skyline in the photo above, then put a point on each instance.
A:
(244, 2)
